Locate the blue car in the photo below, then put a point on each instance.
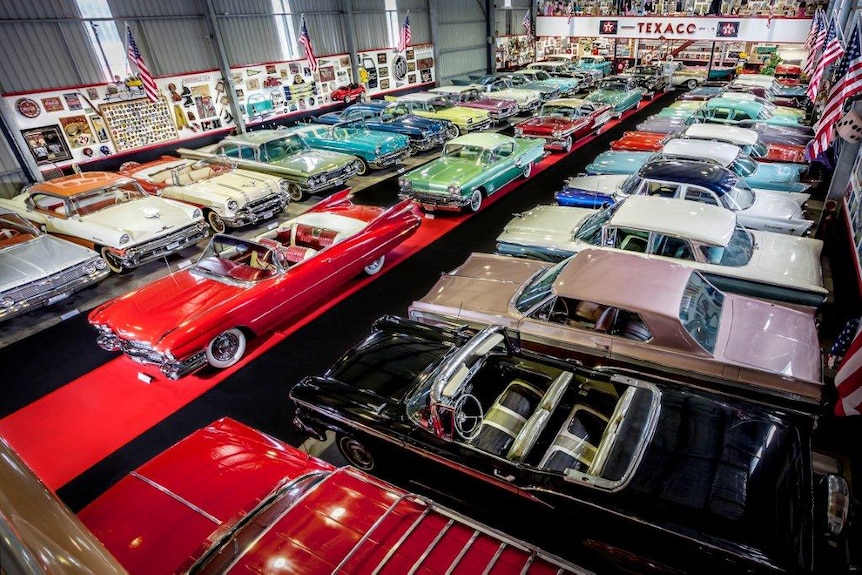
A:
(373, 149)
(424, 133)
(762, 175)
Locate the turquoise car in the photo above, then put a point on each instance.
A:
(761, 175)
(374, 149)
(680, 109)
(599, 63)
(619, 92)
(568, 85)
(733, 111)
(471, 168)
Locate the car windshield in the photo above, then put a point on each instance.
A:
(743, 165)
(397, 110)
(630, 186)
(538, 288)
(700, 311)
(469, 96)
(279, 148)
(440, 103)
(740, 197)
(96, 200)
(614, 85)
(15, 230)
(589, 229)
(758, 149)
(558, 111)
(736, 253)
(541, 75)
(234, 259)
(466, 152)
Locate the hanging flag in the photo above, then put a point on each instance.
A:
(832, 52)
(135, 58)
(771, 13)
(405, 37)
(305, 40)
(528, 23)
(848, 83)
(817, 41)
(812, 32)
(848, 378)
(570, 12)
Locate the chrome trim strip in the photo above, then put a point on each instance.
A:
(170, 493)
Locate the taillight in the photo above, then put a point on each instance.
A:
(837, 503)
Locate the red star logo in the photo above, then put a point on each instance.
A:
(609, 27)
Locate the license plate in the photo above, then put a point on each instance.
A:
(56, 298)
(267, 215)
(174, 245)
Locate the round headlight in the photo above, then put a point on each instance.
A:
(310, 181)
(197, 213)
(284, 185)
(454, 190)
(232, 205)
(377, 151)
(469, 120)
(556, 133)
(7, 302)
(404, 183)
(89, 268)
(124, 239)
(100, 264)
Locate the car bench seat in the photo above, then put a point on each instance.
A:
(506, 417)
(526, 438)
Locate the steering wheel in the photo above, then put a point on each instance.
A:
(560, 312)
(468, 416)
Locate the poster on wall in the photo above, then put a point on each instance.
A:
(46, 144)
(77, 131)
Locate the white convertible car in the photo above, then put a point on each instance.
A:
(111, 214)
(708, 238)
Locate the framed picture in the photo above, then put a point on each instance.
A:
(411, 78)
(252, 84)
(411, 66)
(294, 67)
(381, 58)
(424, 63)
(99, 128)
(53, 104)
(383, 72)
(410, 54)
(384, 83)
(327, 73)
(344, 62)
(77, 131)
(73, 102)
(270, 68)
(93, 93)
(46, 144)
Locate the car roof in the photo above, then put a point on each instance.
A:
(606, 276)
(452, 89)
(483, 139)
(77, 183)
(752, 107)
(259, 136)
(698, 221)
(711, 176)
(421, 96)
(721, 152)
(739, 136)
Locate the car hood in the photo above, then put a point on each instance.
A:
(38, 258)
(545, 226)
(771, 337)
(607, 96)
(608, 184)
(245, 185)
(143, 219)
(461, 114)
(794, 259)
(153, 311)
(444, 171)
(491, 104)
(618, 162)
(521, 96)
(777, 205)
(484, 283)
(777, 173)
(314, 161)
(547, 124)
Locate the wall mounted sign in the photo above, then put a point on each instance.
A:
(46, 144)
(28, 107)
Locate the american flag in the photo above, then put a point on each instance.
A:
(848, 379)
(815, 40)
(570, 11)
(305, 40)
(528, 23)
(848, 83)
(405, 36)
(135, 58)
(832, 52)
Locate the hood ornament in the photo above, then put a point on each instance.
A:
(152, 213)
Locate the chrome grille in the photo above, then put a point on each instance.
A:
(59, 279)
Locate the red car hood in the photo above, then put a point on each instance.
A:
(154, 310)
(161, 517)
(785, 153)
(639, 142)
(547, 124)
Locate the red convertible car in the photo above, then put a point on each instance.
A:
(241, 288)
(229, 498)
(348, 94)
(563, 121)
(654, 141)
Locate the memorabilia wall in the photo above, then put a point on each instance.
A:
(513, 51)
(87, 123)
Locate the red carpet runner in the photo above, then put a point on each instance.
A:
(66, 432)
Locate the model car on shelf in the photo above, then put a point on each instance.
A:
(514, 80)
(761, 175)
(647, 474)
(470, 169)
(111, 214)
(619, 92)
(287, 156)
(688, 77)
(424, 133)
(239, 288)
(348, 93)
(694, 180)
(708, 238)
(374, 149)
(650, 78)
(599, 63)
(228, 196)
(503, 89)
(473, 97)
(38, 269)
(463, 119)
(563, 121)
(568, 85)
(671, 320)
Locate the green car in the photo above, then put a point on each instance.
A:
(619, 92)
(437, 106)
(471, 168)
(734, 111)
(285, 155)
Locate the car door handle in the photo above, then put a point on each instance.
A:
(603, 346)
(508, 478)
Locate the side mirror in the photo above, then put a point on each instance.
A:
(29, 204)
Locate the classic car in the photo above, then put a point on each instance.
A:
(546, 90)
(599, 63)
(348, 93)
(705, 92)
(228, 196)
(563, 121)
(589, 76)
(671, 320)
(640, 141)
(463, 119)
(287, 156)
(645, 474)
(568, 85)
(619, 92)
(39, 269)
(111, 214)
(708, 238)
(795, 113)
(680, 109)
(769, 87)
(689, 77)
(503, 89)
(651, 79)
(424, 133)
(473, 97)
(698, 181)
(374, 149)
(554, 68)
(470, 169)
(268, 506)
(760, 175)
(733, 111)
(788, 74)
(239, 288)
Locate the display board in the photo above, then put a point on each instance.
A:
(138, 123)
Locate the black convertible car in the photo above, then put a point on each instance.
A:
(646, 475)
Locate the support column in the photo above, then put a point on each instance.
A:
(433, 15)
(349, 27)
(224, 67)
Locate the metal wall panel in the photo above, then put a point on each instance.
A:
(249, 39)
(157, 8)
(176, 46)
(36, 10)
(462, 45)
